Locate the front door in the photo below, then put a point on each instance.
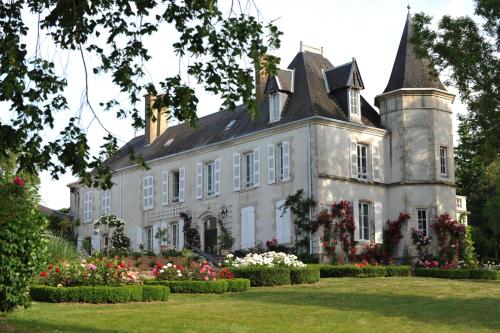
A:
(210, 231)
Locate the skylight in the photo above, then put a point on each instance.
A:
(231, 123)
(169, 141)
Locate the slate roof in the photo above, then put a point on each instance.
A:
(309, 98)
(409, 71)
(346, 75)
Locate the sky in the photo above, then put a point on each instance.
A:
(368, 30)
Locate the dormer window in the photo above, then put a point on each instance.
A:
(274, 108)
(354, 105)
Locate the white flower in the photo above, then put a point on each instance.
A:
(161, 271)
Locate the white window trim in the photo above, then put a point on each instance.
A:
(248, 164)
(106, 202)
(361, 232)
(274, 107)
(353, 95)
(361, 175)
(443, 161)
(176, 199)
(210, 183)
(426, 210)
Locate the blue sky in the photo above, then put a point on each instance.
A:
(367, 30)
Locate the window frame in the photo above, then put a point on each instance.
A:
(175, 235)
(176, 185)
(425, 220)
(359, 149)
(87, 206)
(354, 103)
(106, 202)
(274, 107)
(249, 169)
(210, 171)
(364, 224)
(149, 238)
(443, 161)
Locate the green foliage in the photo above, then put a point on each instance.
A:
(368, 271)
(111, 33)
(60, 250)
(193, 287)
(458, 273)
(99, 294)
(301, 275)
(87, 245)
(238, 285)
(60, 227)
(22, 248)
(301, 208)
(226, 240)
(162, 235)
(468, 52)
(263, 275)
(469, 254)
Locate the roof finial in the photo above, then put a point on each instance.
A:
(408, 8)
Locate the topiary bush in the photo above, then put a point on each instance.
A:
(301, 275)
(192, 287)
(99, 294)
(327, 271)
(22, 248)
(238, 285)
(458, 273)
(263, 275)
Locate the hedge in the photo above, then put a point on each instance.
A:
(301, 275)
(458, 273)
(192, 287)
(98, 294)
(238, 285)
(263, 275)
(368, 271)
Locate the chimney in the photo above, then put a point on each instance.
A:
(260, 79)
(156, 120)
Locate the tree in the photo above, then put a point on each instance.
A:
(467, 52)
(112, 31)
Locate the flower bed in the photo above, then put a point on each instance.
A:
(269, 259)
(301, 275)
(363, 271)
(99, 294)
(193, 287)
(458, 273)
(263, 275)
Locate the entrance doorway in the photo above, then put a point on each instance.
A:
(210, 235)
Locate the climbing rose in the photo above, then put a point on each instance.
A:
(18, 181)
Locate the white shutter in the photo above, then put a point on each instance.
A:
(353, 147)
(182, 184)
(145, 182)
(286, 160)
(181, 234)
(164, 187)
(217, 176)
(199, 180)
(287, 226)
(256, 167)
(271, 164)
(151, 192)
(377, 207)
(138, 236)
(279, 222)
(283, 223)
(236, 172)
(355, 213)
(375, 163)
(155, 241)
(247, 227)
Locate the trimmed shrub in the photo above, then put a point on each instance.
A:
(457, 273)
(99, 294)
(263, 275)
(301, 275)
(238, 285)
(368, 271)
(193, 287)
(154, 293)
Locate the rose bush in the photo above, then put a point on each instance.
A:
(196, 271)
(270, 259)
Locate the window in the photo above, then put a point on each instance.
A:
(248, 160)
(105, 241)
(175, 185)
(284, 161)
(443, 154)
(106, 208)
(274, 108)
(175, 235)
(364, 221)
(210, 178)
(147, 189)
(362, 153)
(422, 221)
(459, 202)
(354, 103)
(87, 206)
(149, 238)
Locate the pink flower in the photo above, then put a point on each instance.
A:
(91, 266)
(18, 181)
(205, 278)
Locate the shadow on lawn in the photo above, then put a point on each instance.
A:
(452, 311)
(33, 325)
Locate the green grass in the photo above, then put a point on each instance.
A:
(332, 305)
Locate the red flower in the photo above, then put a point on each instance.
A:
(43, 274)
(50, 267)
(57, 270)
(122, 265)
(18, 181)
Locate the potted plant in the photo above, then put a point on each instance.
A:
(162, 237)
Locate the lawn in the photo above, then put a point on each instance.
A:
(333, 305)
